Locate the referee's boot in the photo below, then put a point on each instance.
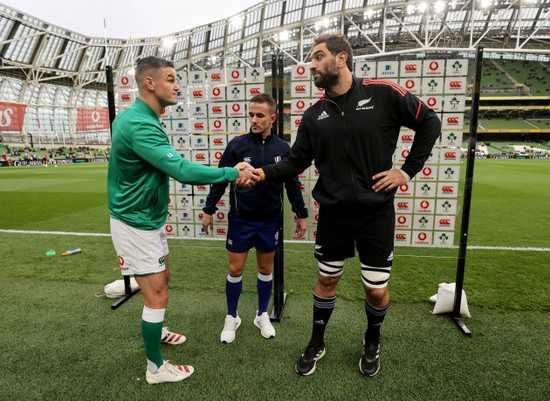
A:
(308, 361)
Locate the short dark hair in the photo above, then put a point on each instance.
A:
(265, 98)
(336, 43)
(146, 64)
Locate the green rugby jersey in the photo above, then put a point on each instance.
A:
(140, 162)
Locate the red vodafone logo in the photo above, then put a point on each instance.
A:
(124, 81)
(218, 155)
(401, 219)
(220, 215)
(216, 91)
(432, 101)
(422, 236)
(201, 215)
(120, 261)
(424, 204)
(426, 171)
(434, 65)
(236, 107)
(235, 74)
(300, 70)
(217, 123)
(409, 84)
(404, 187)
(169, 229)
(298, 121)
(300, 104)
(405, 153)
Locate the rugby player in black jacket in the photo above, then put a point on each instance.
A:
(351, 134)
(255, 215)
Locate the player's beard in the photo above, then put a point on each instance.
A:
(327, 80)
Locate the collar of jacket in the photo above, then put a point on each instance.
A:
(354, 84)
(258, 137)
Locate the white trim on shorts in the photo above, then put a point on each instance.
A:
(139, 252)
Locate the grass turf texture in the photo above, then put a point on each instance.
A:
(60, 341)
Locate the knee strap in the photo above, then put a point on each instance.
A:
(331, 269)
(375, 277)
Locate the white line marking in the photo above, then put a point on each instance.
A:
(495, 248)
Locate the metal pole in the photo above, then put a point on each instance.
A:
(468, 184)
(279, 296)
(112, 114)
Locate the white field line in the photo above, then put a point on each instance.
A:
(496, 248)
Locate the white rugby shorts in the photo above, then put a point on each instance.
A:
(139, 252)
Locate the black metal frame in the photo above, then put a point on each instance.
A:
(468, 184)
(112, 114)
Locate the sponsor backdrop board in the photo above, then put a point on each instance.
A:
(212, 109)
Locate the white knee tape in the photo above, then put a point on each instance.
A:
(331, 269)
(375, 277)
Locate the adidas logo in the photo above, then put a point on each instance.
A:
(322, 116)
(390, 257)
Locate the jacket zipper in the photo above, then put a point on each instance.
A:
(347, 142)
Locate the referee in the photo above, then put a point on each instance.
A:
(351, 133)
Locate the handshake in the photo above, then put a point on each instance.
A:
(248, 175)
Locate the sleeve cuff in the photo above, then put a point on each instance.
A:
(407, 177)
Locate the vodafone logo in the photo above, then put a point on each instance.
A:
(317, 204)
(201, 216)
(409, 84)
(434, 65)
(302, 187)
(424, 204)
(218, 155)
(452, 120)
(217, 123)
(220, 215)
(221, 231)
(316, 172)
(236, 107)
(404, 188)
(317, 217)
(124, 80)
(125, 96)
(402, 205)
(216, 91)
(5, 117)
(432, 101)
(407, 138)
(300, 70)
(300, 88)
(422, 236)
(426, 171)
(95, 116)
(455, 84)
(218, 141)
(235, 74)
(445, 222)
(199, 125)
(410, 68)
(200, 156)
(120, 261)
(450, 155)
(447, 189)
(300, 104)
(405, 153)
(401, 219)
(401, 237)
(216, 77)
(216, 109)
(197, 93)
(255, 91)
(169, 229)
(298, 121)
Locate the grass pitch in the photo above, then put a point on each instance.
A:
(61, 341)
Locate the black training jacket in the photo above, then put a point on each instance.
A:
(354, 143)
(263, 201)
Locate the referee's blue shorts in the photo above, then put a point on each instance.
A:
(245, 234)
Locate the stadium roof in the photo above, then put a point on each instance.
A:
(36, 52)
